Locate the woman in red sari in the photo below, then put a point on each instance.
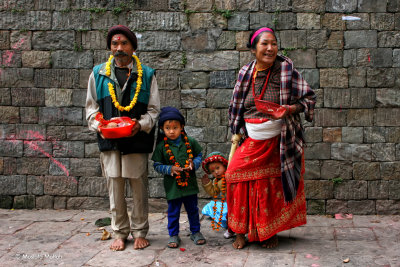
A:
(265, 187)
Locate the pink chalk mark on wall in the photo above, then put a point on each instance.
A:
(18, 44)
(35, 147)
(34, 135)
(32, 145)
(8, 55)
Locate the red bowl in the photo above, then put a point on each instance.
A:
(269, 108)
(123, 129)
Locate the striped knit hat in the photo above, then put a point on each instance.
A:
(214, 157)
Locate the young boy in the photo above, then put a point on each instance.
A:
(177, 156)
(215, 163)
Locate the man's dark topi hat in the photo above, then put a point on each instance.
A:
(122, 30)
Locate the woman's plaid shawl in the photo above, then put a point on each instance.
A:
(294, 89)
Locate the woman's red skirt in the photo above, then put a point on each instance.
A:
(255, 197)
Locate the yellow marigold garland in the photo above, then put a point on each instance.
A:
(223, 196)
(138, 85)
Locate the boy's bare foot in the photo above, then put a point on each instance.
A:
(173, 245)
(174, 241)
(270, 243)
(201, 242)
(141, 243)
(118, 245)
(240, 241)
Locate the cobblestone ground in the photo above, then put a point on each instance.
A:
(70, 238)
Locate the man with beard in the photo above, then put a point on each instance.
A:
(122, 86)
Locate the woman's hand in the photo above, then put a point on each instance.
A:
(205, 179)
(235, 139)
(282, 115)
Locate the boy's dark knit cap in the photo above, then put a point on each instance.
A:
(170, 113)
(122, 30)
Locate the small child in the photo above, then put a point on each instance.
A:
(216, 164)
(177, 156)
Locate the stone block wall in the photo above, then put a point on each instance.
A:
(348, 51)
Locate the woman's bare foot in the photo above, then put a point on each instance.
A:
(118, 245)
(240, 241)
(141, 243)
(270, 243)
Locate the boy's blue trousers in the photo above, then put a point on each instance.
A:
(174, 209)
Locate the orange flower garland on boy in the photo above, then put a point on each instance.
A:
(216, 164)
(177, 156)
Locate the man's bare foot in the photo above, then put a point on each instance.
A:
(270, 243)
(240, 241)
(118, 244)
(141, 243)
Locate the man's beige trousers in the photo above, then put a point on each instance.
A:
(118, 169)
